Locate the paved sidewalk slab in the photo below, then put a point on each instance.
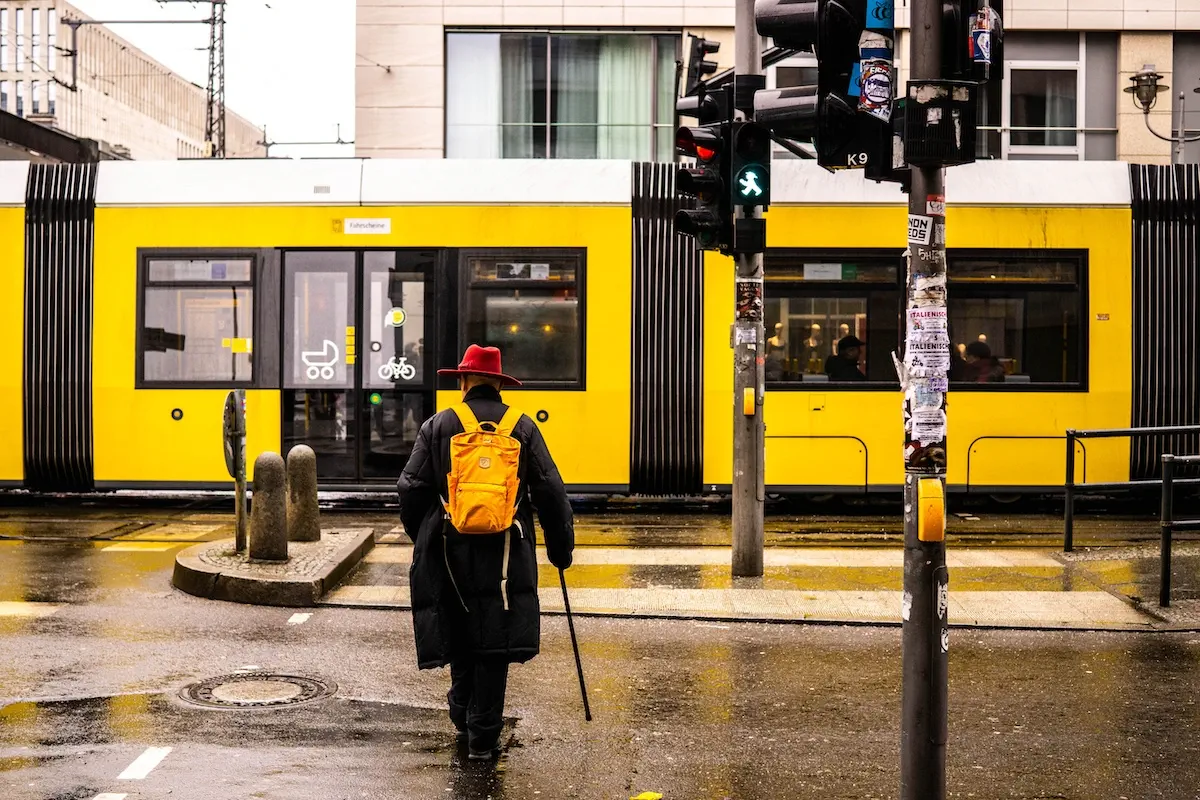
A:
(214, 570)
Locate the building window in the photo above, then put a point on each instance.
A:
(51, 38)
(197, 321)
(798, 70)
(4, 33)
(20, 18)
(35, 88)
(35, 35)
(50, 87)
(831, 318)
(4, 95)
(1043, 107)
(527, 303)
(569, 95)
(20, 98)
(1015, 317)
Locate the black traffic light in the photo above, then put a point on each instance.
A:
(847, 111)
(698, 67)
(711, 221)
(749, 164)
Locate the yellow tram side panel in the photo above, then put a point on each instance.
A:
(862, 431)
(136, 438)
(12, 334)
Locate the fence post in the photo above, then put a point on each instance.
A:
(1167, 521)
(1069, 496)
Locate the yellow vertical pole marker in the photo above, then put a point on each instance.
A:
(931, 510)
(748, 401)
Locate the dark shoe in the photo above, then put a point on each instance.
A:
(483, 755)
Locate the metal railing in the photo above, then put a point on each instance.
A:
(1169, 523)
(1069, 485)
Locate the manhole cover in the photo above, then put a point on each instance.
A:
(256, 690)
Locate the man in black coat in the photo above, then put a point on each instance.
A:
(460, 615)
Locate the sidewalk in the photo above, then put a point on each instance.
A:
(1017, 587)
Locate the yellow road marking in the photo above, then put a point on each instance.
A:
(19, 609)
(139, 547)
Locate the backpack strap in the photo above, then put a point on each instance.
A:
(509, 421)
(466, 416)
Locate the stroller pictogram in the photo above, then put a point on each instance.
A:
(397, 369)
(320, 363)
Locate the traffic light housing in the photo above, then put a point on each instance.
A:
(749, 164)
(848, 110)
(710, 222)
(698, 67)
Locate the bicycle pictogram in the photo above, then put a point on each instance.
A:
(397, 369)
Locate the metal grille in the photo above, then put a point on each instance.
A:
(666, 453)
(60, 203)
(1166, 332)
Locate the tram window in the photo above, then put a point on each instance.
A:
(812, 303)
(528, 305)
(197, 321)
(1015, 319)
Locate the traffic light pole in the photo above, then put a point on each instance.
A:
(748, 355)
(924, 377)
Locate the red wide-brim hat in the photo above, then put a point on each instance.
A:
(482, 361)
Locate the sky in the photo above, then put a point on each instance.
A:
(289, 64)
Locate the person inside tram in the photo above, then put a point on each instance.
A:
(981, 366)
(844, 365)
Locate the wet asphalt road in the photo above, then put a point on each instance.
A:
(691, 710)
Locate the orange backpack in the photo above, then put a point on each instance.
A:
(483, 481)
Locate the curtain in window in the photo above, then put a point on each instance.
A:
(517, 95)
(576, 72)
(625, 105)
(664, 130)
(1061, 87)
(473, 96)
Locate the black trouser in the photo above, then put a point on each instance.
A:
(477, 699)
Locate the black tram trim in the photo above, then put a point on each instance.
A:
(60, 214)
(666, 446)
(1166, 327)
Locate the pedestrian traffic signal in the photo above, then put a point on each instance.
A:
(698, 67)
(750, 164)
(846, 111)
(710, 222)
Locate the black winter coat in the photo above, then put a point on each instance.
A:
(454, 579)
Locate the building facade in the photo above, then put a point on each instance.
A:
(107, 90)
(597, 78)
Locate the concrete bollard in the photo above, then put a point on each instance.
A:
(268, 510)
(303, 514)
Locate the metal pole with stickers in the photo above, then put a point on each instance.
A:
(235, 458)
(951, 57)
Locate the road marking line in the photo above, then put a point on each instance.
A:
(10, 608)
(140, 547)
(144, 763)
(111, 796)
(298, 619)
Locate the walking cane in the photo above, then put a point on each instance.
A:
(587, 711)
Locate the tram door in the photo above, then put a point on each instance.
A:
(357, 382)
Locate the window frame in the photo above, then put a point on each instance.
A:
(1008, 288)
(653, 131)
(840, 289)
(519, 254)
(847, 289)
(1064, 152)
(145, 256)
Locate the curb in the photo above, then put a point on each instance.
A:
(195, 577)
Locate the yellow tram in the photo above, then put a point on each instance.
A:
(135, 295)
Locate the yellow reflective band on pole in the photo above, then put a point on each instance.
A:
(931, 510)
(748, 401)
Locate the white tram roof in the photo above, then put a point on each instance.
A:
(380, 182)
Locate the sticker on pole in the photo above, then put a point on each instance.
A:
(927, 318)
(920, 229)
(935, 205)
